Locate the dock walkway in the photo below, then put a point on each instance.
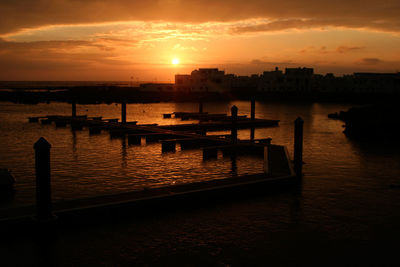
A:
(183, 192)
(192, 136)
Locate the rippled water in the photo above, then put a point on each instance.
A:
(83, 165)
(345, 213)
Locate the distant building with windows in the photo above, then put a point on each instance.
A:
(360, 82)
(300, 80)
(271, 81)
(157, 87)
(183, 82)
(204, 80)
(293, 80)
(376, 82)
(245, 82)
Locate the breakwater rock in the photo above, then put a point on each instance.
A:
(376, 121)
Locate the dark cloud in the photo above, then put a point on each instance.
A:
(266, 62)
(285, 14)
(370, 61)
(345, 49)
(9, 45)
(34, 58)
(315, 50)
(392, 25)
(34, 47)
(279, 25)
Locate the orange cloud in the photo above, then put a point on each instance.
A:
(374, 14)
(345, 49)
(370, 61)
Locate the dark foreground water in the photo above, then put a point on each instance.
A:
(345, 213)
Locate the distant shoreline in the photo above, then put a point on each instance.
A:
(116, 94)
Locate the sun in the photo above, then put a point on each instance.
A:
(175, 61)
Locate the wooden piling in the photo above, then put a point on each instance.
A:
(253, 109)
(94, 130)
(99, 118)
(210, 153)
(123, 112)
(61, 123)
(73, 109)
(298, 146)
(234, 112)
(115, 134)
(201, 106)
(266, 159)
(134, 139)
(45, 121)
(151, 138)
(266, 141)
(33, 119)
(202, 132)
(168, 146)
(112, 120)
(76, 126)
(43, 180)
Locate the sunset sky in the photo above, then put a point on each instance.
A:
(120, 39)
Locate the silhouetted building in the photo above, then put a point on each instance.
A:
(376, 82)
(245, 82)
(298, 79)
(271, 81)
(204, 80)
(293, 80)
(361, 83)
(183, 82)
(157, 87)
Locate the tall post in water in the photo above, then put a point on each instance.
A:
(234, 112)
(123, 112)
(201, 105)
(73, 108)
(298, 146)
(43, 180)
(267, 169)
(253, 109)
(252, 116)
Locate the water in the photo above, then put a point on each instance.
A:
(84, 165)
(345, 209)
(45, 85)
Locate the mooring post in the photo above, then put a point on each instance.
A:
(123, 112)
(298, 146)
(210, 153)
(234, 112)
(267, 169)
(43, 180)
(253, 109)
(74, 108)
(201, 106)
(252, 116)
(168, 146)
(233, 165)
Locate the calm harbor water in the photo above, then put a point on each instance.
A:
(346, 205)
(84, 165)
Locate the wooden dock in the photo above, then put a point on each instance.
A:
(101, 206)
(154, 132)
(278, 168)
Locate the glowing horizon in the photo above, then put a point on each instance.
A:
(75, 47)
